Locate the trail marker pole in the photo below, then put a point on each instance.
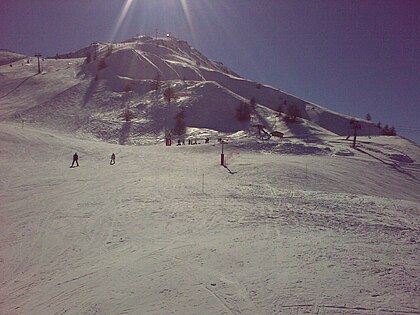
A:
(39, 65)
(222, 156)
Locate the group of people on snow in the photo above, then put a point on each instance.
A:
(112, 162)
(76, 160)
(191, 141)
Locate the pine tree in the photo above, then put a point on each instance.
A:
(252, 102)
(385, 130)
(279, 111)
(293, 112)
(102, 64)
(243, 112)
(157, 82)
(392, 131)
(368, 117)
(180, 126)
(128, 115)
(169, 94)
(127, 87)
(109, 51)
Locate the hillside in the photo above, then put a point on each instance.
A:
(89, 91)
(7, 57)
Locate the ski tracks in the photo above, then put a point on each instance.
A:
(229, 293)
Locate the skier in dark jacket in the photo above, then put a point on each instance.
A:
(75, 159)
(112, 159)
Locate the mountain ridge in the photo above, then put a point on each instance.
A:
(126, 72)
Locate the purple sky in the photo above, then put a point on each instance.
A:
(354, 57)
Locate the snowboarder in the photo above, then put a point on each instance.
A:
(112, 159)
(75, 159)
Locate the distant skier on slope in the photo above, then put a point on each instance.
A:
(112, 159)
(75, 159)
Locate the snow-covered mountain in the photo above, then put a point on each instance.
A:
(304, 224)
(89, 90)
(8, 57)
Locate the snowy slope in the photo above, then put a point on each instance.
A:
(167, 230)
(8, 57)
(122, 75)
(305, 224)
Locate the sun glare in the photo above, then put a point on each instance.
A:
(188, 16)
(165, 15)
(121, 18)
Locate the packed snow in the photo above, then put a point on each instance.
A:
(304, 224)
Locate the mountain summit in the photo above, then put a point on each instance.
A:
(116, 92)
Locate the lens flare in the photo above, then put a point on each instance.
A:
(188, 17)
(121, 18)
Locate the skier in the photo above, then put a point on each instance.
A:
(112, 159)
(75, 159)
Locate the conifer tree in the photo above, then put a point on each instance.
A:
(243, 112)
(180, 126)
(169, 94)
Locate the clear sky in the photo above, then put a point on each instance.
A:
(354, 57)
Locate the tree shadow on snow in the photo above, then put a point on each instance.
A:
(124, 133)
(299, 129)
(392, 164)
(89, 91)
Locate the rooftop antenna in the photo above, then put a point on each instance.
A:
(39, 65)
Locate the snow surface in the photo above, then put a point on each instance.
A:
(300, 225)
(277, 234)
